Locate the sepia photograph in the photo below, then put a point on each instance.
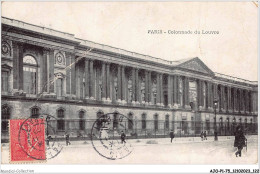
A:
(129, 83)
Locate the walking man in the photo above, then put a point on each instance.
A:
(205, 135)
(67, 139)
(171, 135)
(202, 135)
(123, 137)
(239, 140)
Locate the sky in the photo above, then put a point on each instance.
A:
(125, 25)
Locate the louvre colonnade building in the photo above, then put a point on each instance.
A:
(48, 71)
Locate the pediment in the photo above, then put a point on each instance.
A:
(6, 67)
(196, 64)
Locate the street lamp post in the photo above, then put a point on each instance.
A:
(215, 120)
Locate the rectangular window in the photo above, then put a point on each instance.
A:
(61, 124)
(143, 122)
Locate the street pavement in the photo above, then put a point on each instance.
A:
(188, 150)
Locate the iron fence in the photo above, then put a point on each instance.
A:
(80, 129)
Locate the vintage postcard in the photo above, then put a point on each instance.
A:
(133, 83)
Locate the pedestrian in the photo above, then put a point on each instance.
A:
(48, 140)
(205, 135)
(239, 140)
(202, 136)
(67, 139)
(171, 135)
(123, 137)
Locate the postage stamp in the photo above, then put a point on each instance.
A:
(109, 136)
(33, 139)
(27, 140)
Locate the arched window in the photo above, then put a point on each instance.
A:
(167, 122)
(60, 120)
(99, 119)
(81, 120)
(35, 112)
(29, 75)
(156, 122)
(143, 121)
(130, 121)
(6, 113)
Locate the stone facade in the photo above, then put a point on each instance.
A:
(77, 75)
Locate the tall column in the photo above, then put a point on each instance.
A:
(186, 92)
(250, 102)
(199, 93)
(87, 82)
(239, 100)
(146, 87)
(158, 95)
(68, 74)
(92, 79)
(16, 60)
(202, 88)
(169, 90)
(235, 99)
(119, 86)
(123, 84)
(209, 95)
(81, 73)
(20, 66)
(133, 86)
(175, 91)
(139, 95)
(137, 86)
(77, 86)
(44, 71)
(103, 92)
(162, 91)
(229, 99)
(222, 97)
(150, 85)
(242, 101)
(108, 81)
(51, 71)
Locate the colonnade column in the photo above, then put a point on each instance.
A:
(146, 87)
(199, 93)
(235, 99)
(170, 91)
(123, 84)
(161, 90)
(208, 95)
(158, 97)
(87, 82)
(91, 78)
(150, 86)
(119, 86)
(108, 81)
(186, 92)
(103, 92)
(242, 100)
(222, 97)
(229, 99)
(138, 90)
(133, 86)
(44, 72)
(175, 91)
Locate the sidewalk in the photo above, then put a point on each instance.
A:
(155, 141)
